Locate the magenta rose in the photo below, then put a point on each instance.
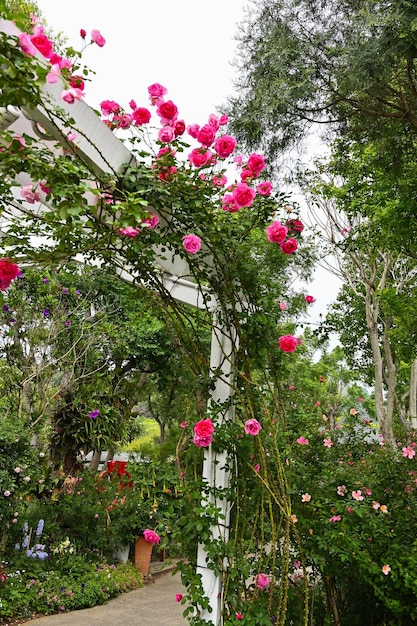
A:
(288, 343)
(225, 145)
(204, 428)
(252, 427)
(191, 243)
(8, 272)
(151, 536)
(151, 222)
(256, 163)
(310, 299)
(167, 110)
(43, 44)
(289, 246)
(179, 128)
(141, 116)
(71, 95)
(229, 204)
(200, 157)
(206, 135)
(276, 232)
(243, 195)
(98, 38)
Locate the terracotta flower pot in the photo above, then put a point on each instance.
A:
(143, 553)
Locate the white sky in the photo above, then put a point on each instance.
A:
(186, 45)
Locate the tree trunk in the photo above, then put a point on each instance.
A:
(95, 460)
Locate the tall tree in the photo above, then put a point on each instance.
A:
(348, 64)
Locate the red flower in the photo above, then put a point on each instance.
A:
(289, 246)
(141, 116)
(288, 343)
(8, 272)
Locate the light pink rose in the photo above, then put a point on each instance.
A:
(252, 427)
(302, 441)
(191, 243)
(26, 45)
(98, 38)
(288, 343)
(150, 222)
(289, 246)
(192, 130)
(276, 232)
(71, 94)
(166, 134)
(151, 536)
(225, 145)
(129, 231)
(262, 581)
(30, 194)
(243, 195)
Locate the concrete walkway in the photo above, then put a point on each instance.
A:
(152, 605)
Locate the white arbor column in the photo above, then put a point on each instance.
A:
(216, 476)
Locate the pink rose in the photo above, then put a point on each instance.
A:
(178, 597)
(26, 44)
(166, 134)
(288, 343)
(206, 135)
(252, 427)
(43, 44)
(302, 441)
(229, 204)
(77, 81)
(151, 536)
(289, 246)
(225, 145)
(71, 94)
(295, 226)
(157, 90)
(129, 231)
(179, 128)
(310, 299)
(123, 121)
(200, 157)
(141, 116)
(243, 195)
(276, 232)
(219, 181)
(192, 130)
(264, 188)
(83, 33)
(204, 428)
(256, 163)
(191, 243)
(30, 194)
(167, 110)
(202, 442)
(150, 222)
(98, 38)
(262, 581)
(109, 106)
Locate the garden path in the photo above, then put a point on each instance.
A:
(152, 605)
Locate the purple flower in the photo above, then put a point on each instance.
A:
(46, 312)
(93, 414)
(45, 280)
(67, 323)
(65, 290)
(5, 308)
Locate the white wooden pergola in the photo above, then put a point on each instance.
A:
(106, 154)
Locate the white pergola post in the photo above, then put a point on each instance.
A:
(215, 474)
